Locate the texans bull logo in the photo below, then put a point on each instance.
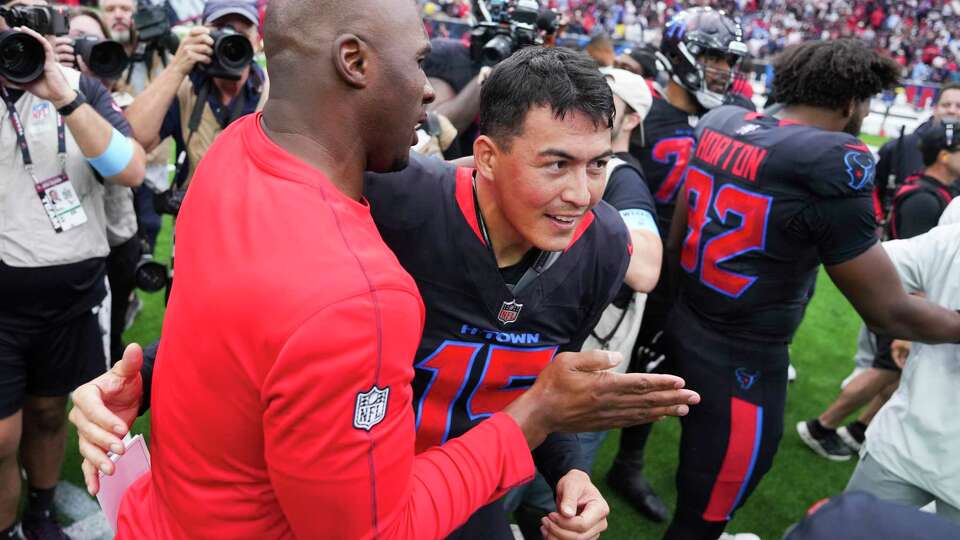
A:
(861, 168)
(746, 379)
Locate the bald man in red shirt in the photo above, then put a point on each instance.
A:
(282, 406)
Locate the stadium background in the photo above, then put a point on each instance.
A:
(821, 353)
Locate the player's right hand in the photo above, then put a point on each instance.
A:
(103, 411)
(576, 393)
(196, 47)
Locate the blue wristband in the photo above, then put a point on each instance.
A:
(637, 219)
(115, 158)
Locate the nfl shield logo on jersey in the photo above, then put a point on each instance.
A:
(509, 312)
(371, 407)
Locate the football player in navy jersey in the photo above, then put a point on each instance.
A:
(765, 201)
(516, 260)
(701, 48)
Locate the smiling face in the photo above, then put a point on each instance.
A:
(548, 177)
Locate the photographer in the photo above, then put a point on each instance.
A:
(62, 139)
(149, 53)
(201, 92)
(88, 37)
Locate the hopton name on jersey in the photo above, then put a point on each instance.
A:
(515, 338)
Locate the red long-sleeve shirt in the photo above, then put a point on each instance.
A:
(289, 326)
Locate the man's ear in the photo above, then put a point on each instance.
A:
(485, 155)
(631, 121)
(351, 57)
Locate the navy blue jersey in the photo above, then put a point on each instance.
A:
(664, 145)
(768, 202)
(483, 346)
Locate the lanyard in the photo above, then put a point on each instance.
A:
(22, 139)
(545, 259)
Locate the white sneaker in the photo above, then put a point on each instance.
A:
(738, 536)
(791, 373)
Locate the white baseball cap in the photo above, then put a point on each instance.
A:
(631, 88)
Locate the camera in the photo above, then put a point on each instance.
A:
(46, 20)
(151, 276)
(153, 28)
(22, 56)
(169, 201)
(106, 58)
(504, 27)
(232, 52)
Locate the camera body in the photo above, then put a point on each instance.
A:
(22, 56)
(153, 28)
(506, 27)
(46, 20)
(106, 58)
(232, 53)
(168, 202)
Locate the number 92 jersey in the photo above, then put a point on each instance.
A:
(482, 345)
(768, 201)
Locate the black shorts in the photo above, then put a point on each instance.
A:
(729, 440)
(49, 363)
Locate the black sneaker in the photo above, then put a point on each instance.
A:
(42, 527)
(852, 435)
(629, 483)
(825, 442)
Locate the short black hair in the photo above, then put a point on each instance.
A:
(945, 88)
(565, 80)
(831, 74)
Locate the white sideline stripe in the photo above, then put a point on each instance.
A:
(74, 502)
(93, 527)
(88, 521)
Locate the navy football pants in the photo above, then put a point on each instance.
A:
(729, 440)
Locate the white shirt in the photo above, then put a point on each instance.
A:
(916, 435)
(952, 214)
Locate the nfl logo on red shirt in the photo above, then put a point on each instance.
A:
(509, 312)
(371, 407)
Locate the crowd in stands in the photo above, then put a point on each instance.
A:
(921, 35)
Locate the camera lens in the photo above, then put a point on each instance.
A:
(21, 57)
(106, 59)
(151, 276)
(234, 51)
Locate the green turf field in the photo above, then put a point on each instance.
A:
(873, 140)
(821, 353)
